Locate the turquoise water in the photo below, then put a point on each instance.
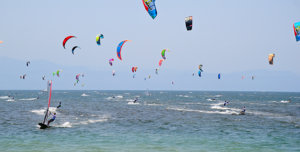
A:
(160, 121)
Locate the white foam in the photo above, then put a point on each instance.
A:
(28, 99)
(4, 97)
(64, 125)
(186, 96)
(227, 112)
(90, 121)
(153, 104)
(218, 106)
(132, 103)
(109, 98)
(218, 95)
(119, 96)
(42, 111)
(10, 100)
(285, 101)
(84, 95)
(193, 103)
(211, 99)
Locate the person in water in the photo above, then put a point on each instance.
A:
(243, 110)
(225, 103)
(59, 105)
(52, 119)
(135, 100)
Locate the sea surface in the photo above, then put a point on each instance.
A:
(191, 121)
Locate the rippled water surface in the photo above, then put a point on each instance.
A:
(159, 121)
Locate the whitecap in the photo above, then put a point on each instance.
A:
(227, 112)
(28, 99)
(42, 111)
(109, 98)
(285, 101)
(119, 96)
(153, 104)
(211, 99)
(90, 121)
(4, 97)
(64, 125)
(10, 100)
(84, 95)
(132, 103)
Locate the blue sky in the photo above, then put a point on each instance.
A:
(231, 37)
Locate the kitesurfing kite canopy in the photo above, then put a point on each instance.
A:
(110, 61)
(297, 31)
(133, 69)
(160, 62)
(150, 7)
(219, 76)
(73, 49)
(199, 73)
(189, 23)
(98, 37)
(271, 57)
(66, 39)
(163, 53)
(200, 67)
(119, 48)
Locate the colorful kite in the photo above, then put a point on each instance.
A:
(189, 23)
(150, 7)
(297, 31)
(271, 57)
(98, 37)
(163, 53)
(119, 49)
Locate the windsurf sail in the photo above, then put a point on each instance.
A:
(49, 88)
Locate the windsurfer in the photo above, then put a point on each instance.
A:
(52, 119)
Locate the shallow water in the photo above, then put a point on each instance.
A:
(163, 121)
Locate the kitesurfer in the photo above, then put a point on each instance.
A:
(225, 103)
(59, 105)
(135, 100)
(243, 111)
(52, 119)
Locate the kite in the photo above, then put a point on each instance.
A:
(133, 69)
(66, 39)
(73, 49)
(189, 23)
(150, 7)
(160, 62)
(163, 52)
(110, 61)
(119, 49)
(271, 57)
(98, 37)
(297, 31)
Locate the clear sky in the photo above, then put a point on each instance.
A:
(231, 37)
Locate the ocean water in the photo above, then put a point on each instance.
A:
(160, 121)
